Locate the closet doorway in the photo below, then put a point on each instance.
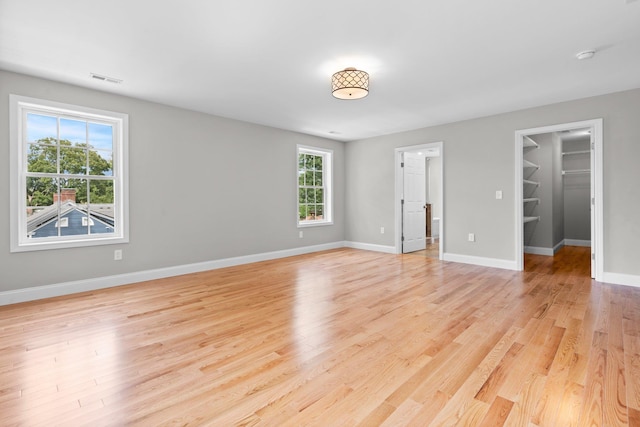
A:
(419, 228)
(559, 190)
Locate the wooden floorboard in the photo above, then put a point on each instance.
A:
(342, 337)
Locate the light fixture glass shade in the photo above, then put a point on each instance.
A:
(350, 84)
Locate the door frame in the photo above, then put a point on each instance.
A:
(597, 189)
(399, 190)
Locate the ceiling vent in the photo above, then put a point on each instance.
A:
(105, 78)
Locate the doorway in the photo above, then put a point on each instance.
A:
(527, 216)
(411, 226)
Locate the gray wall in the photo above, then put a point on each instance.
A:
(201, 188)
(479, 159)
(577, 220)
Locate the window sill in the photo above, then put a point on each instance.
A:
(314, 224)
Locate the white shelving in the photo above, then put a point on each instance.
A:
(528, 164)
(530, 169)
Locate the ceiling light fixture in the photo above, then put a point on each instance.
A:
(350, 84)
(587, 54)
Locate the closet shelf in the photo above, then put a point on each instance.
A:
(528, 142)
(569, 153)
(528, 164)
(527, 219)
(532, 199)
(526, 181)
(576, 172)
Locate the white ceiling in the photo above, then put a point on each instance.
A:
(270, 62)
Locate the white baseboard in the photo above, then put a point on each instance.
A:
(58, 289)
(575, 242)
(485, 262)
(534, 250)
(371, 247)
(621, 279)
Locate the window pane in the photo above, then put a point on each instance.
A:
(42, 212)
(101, 218)
(319, 195)
(100, 163)
(41, 128)
(101, 136)
(302, 195)
(73, 160)
(317, 163)
(311, 211)
(101, 192)
(311, 195)
(74, 131)
(318, 179)
(40, 192)
(302, 212)
(301, 161)
(42, 158)
(308, 178)
(74, 190)
(319, 211)
(308, 161)
(300, 178)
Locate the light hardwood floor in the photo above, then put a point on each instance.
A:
(342, 337)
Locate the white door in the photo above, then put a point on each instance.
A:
(413, 209)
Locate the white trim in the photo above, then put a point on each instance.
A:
(66, 288)
(398, 194)
(575, 242)
(482, 261)
(371, 247)
(621, 279)
(597, 187)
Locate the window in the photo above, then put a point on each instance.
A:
(314, 186)
(68, 168)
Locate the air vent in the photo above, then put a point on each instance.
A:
(105, 78)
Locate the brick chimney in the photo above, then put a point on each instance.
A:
(65, 194)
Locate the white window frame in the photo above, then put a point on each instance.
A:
(327, 177)
(18, 108)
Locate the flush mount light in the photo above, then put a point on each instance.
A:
(587, 54)
(350, 84)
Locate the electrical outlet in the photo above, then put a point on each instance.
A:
(472, 237)
(300, 234)
(499, 194)
(381, 230)
(117, 255)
